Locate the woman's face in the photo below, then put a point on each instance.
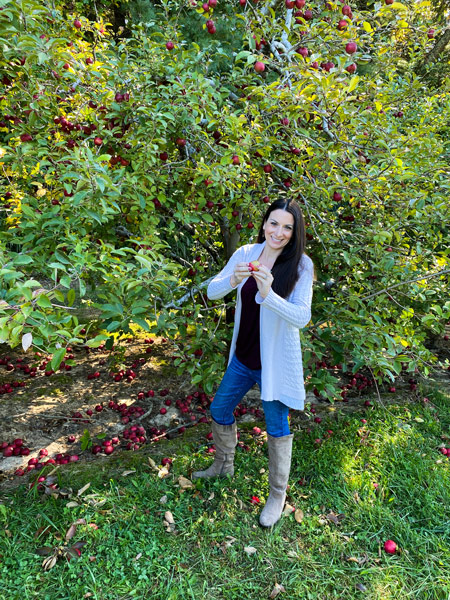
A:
(278, 229)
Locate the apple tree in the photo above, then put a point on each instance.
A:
(133, 166)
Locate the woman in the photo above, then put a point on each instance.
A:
(273, 303)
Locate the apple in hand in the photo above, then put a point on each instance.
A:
(254, 265)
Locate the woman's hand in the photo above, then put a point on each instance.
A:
(241, 272)
(264, 280)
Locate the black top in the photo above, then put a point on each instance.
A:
(247, 345)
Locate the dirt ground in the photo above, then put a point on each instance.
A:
(50, 408)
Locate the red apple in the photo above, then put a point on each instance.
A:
(430, 34)
(347, 11)
(351, 48)
(98, 141)
(259, 66)
(170, 45)
(77, 24)
(390, 547)
(342, 24)
(235, 160)
(351, 68)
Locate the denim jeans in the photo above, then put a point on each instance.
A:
(236, 382)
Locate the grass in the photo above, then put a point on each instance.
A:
(130, 555)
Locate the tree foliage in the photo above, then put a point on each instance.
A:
(132, 166)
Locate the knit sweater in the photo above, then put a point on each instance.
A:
(280, 320)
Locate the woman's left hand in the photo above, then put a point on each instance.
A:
(264, 280)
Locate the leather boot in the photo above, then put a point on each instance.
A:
(280, 453)
(225, 440)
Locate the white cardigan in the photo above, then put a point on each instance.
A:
(280, 320)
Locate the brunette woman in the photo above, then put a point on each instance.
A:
(273, 282)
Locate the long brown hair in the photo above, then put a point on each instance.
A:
(285, 269)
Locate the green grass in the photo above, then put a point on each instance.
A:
(130, 555)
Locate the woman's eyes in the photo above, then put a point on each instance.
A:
(288, 227)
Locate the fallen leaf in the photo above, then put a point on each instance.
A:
(334, 518)
(298, 515)
(288, 509)
(211, 496)
(83, 489)
(168, 516)
(152, 464)
(72, 504)
(228, 541)
(361, 587)
(71, 531)
(163, 472)
(49, 563)
(277, 590)
(42, 531)
(138, 556)
(249, 550)
(163, 499)
(184, 483)
(125, 473)
(45, 551)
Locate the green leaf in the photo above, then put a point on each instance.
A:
(57, 358)
(71, 297)
(43, 301)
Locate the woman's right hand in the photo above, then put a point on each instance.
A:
(241, 272)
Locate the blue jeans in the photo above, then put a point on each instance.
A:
(236, 382)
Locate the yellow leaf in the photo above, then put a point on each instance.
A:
(367, 27)
(353, 84)
(41, 192)
(378, 105)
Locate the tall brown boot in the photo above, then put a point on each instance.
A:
(280, 454)
(225, 440)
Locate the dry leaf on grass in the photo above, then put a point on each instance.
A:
(163, 472)
(152, 464)
(277, 590)
(169, 522)
(163, 499)
(298, 515)
(288, 509)
(125, 473)
(249, 550)
(83, 489)
(184, 483)
(227, 543)
(334, 518)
